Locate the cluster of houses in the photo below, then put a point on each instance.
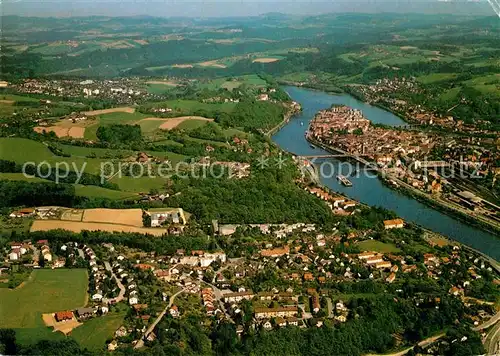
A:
(40, 250)
(278, 230)
(161, 218)
(208, 300)
(120, 90)
(339, 204)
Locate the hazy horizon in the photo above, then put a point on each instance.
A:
(219, 8)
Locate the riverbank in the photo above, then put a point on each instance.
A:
(373, 192)
(286, 118)
(417, 194)
(348, 90)
(439, 205)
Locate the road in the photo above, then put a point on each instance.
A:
(492, 341)
(423, 343)
(121, 295)
(140, 342)
(489, 323)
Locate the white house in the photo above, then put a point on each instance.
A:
(133, 301)
(97, 297)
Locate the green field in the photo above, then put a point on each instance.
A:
(112, 119)
(188, 107)
(436, 77)
(20, 226)
(377, 246)
(21, 177)
(22, 150)
(94, 333)
(46, 291)
(450, 94)
(93, 191)
(191, 124)
(139, 185)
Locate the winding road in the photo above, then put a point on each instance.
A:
(121, 295)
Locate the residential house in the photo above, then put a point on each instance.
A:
(281, 322)
(267, 325)
(383, 264)
(121, 332)
(391, 278)
(276, 252)
(238, 296)
(262, 313)
(85, 313)
(394, 224)
(63, 316)
(174, 311)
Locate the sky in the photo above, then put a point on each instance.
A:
(221, 8)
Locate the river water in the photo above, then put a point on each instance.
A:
(370, 190)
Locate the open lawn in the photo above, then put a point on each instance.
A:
(94, 332)
(377, 246)
(46, 291)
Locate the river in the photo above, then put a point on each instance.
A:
(370, 190)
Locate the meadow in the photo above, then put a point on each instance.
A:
(22, 150)
(46, 291)
(94, 332)
(377, 246)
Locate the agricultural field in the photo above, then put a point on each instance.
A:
(46, 291)
(131, 217)
(77, 226)
(77, 220)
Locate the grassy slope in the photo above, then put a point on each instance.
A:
(22, 150)
(46, 291)
(94, 333)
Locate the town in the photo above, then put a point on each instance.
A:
(304, 275)
(418, 160)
